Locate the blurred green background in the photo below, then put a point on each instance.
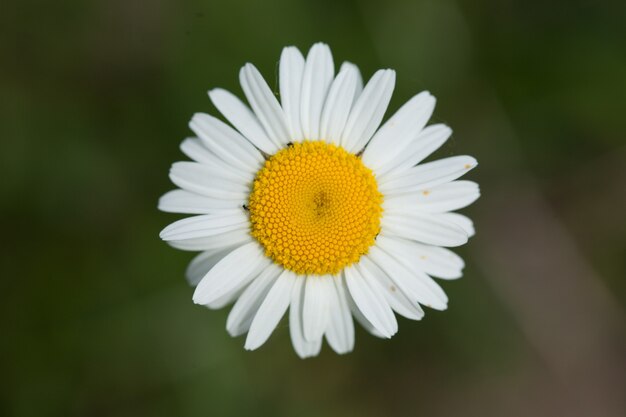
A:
(95, 314)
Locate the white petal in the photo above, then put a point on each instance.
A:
(426, 175)
(291, 71)
(218, 170)
(315, 308)
(433, 260)
(222, 240)
(404, 253)
(409, 281)
(427, 228)
(264, 104)
(427, 141)
(247, 305)
(182, 201)
(202, 263)
(235, 269)
(226, 143)
(203, 180)
(244, 120)
(397, 299)
(205, 225)
(271, 311)
(449, 197)
(368, 111)
(370, 300)
(340, 329)
(392, 139)
(357, 313)
(338, 104)
(359, 78)
(446, 197)
(408, 263)
(303, 347)
(318, 74)
(460, 220)
(229, 296)
(195, 149)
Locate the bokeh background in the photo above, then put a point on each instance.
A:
(96, 318)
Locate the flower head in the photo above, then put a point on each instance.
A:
(309, 205)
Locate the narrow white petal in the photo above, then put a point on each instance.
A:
(427, 228)
(370, 300)
(271, 311)
(315, 308)
(222, 240)
(303, 347)
(403, 203)
(235, 269)
(195, 149)
(359, 78)
(460, 220)
(375, 286)
(206, 172)
(404, 255)
(358, 316)
(397, 299)
(409, 281)
(338, 104)
(290, 77)
(408, 263)
(319, 70)
(203, 180)
(440, 262)
(264, 104)
(443, 198)
(229, 296)
(182, 201)
(205, 225)
(202, 264)
(340, 329)
(243, 119)
(426, 175)
(247, 305)
(226, 142)
(393, 138)
(368, 111)
(433, 260)
(427, 141)
(449, 197)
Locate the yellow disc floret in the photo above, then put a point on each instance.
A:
(315, 208)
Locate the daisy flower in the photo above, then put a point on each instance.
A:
(307, 204)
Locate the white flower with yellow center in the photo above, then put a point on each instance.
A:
(306, 204)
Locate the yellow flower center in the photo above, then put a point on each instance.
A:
(315, 208)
